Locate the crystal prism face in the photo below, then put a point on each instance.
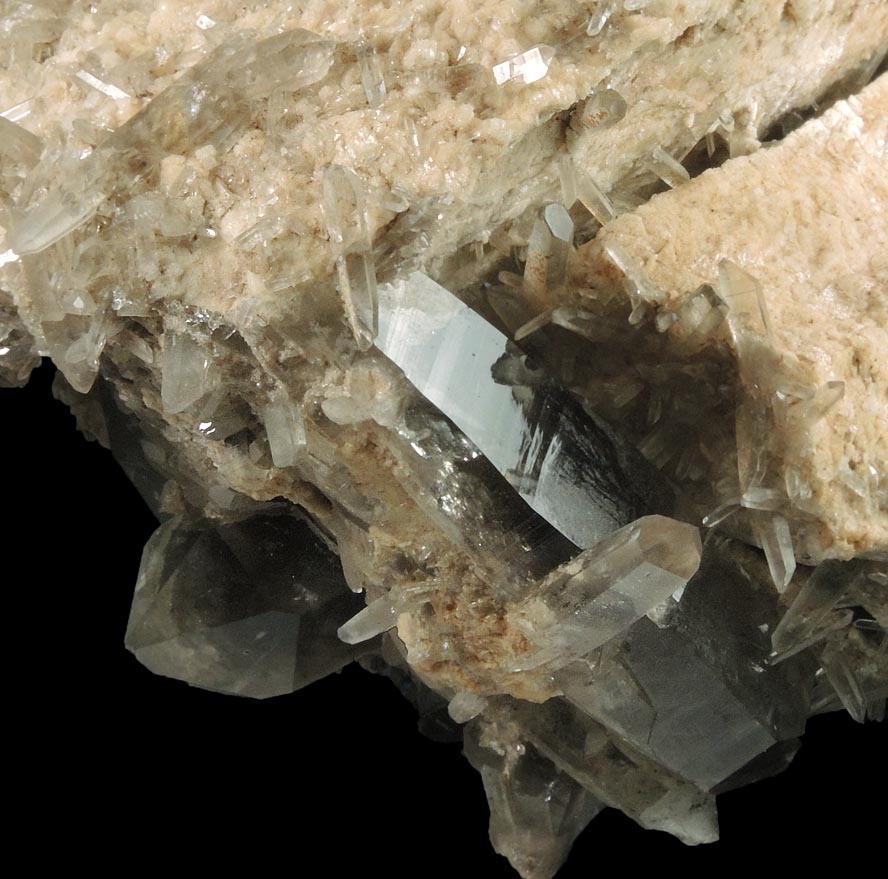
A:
(536, 809)
(601, 593)
(249, 608)
(692, 690)
(449, 358)
(568, 466)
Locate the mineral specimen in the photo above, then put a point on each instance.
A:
(532, 355)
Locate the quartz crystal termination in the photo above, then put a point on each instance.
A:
(196, 207)
(249, 608)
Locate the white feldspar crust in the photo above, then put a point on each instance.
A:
(807, 218)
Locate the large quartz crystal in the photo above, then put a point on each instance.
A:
(532, 355)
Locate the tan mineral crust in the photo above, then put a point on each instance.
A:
(232, 227)
(808, 219)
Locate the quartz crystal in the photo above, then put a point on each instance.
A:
(249, 608)
(536, 362)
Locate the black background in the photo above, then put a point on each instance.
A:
(104, 754)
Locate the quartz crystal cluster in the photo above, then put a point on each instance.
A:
(531, 354)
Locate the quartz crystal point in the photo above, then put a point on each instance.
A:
(566, 464)
(536, 809)
(249, 608)
(693, 690)
(612, 771)
(528, 66)
(598, 595)
(346, 214)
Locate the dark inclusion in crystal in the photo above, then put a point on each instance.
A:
(249, 608)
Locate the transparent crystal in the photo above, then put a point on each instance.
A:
(377, 617)
(249, 608)
(773, 532)
(605, 108)
(845, 682)
(567, 177)
(536, 810)
(617, 774)
(744, 296)
(285, 427)
(17, 144)
(187, 371)
(206, 105)
(346, 216)
(819, 403)
(464, 706)
(598, 595)
(594, 200)
(685, 690)
(529, 66)
(671, 172)
(372, 78)
(357, 287)
(601, 16)
(812, 610)
(106, 88)
(451, 355)
(644, 289)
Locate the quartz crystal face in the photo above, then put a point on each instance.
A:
(534, 359)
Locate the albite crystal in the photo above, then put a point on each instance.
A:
(433, 339)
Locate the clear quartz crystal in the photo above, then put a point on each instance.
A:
(543, 319)
(644, 289)
(206, 105)
(845, 682)
(346, 216)
(567, 177)
(372, 78)
(690, 689)
(187, 371)
(106, 88)
(602, 592)
(529, 66)
(701, 313)
(812, 610)
(455, 358)
(743, 294)
(604, 109)
(671, 172)
(357, 287)
(17, 144)
(18, 111)
(594, 200)
(377, 617)
(536, 809)
(601, 16)
(285, 427)
(464, 706)
(249, 608)
(776, 540)
(551, 240)
(819, 403)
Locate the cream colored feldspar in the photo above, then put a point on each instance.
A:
(808, 220)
